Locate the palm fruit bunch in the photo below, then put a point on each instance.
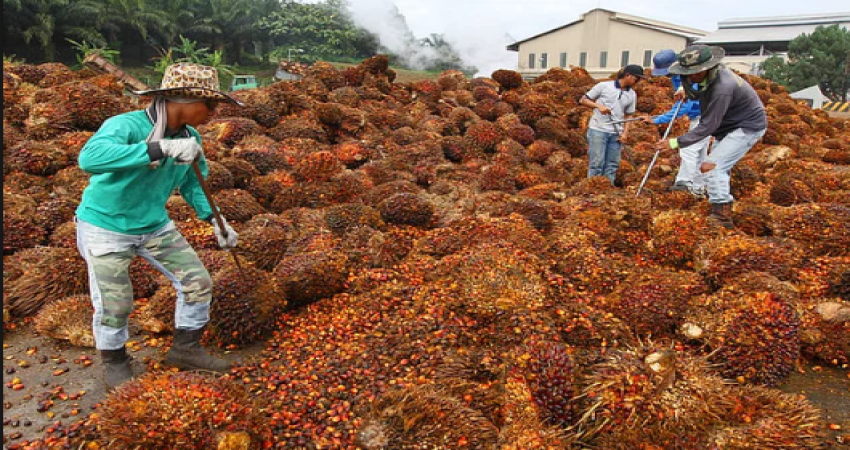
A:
(825, 331)
(307, 276)
(723, 258)
(342, 218)
(753, 336)
(218, 177)
(676, 235)
(266, 188)
(198, 233)
(72, 142)
(317, 166)
(90, 105)
(156, 313)
(238, 205)
(424, 417)
(263, 152)
(46, 116)
(183, 410)
(21, 231)
(585, 267)
(762, 418)
(407, 209)
(21, 183)
(56, 273)
(37, 158)
(648, 394)
(754, 217)
(244, 306)
(264, 239)
(54, 212)
(653, 301)
(242, 171)
(70, 181)
(67, 319)
(492, 279)
(64, 235)
(298, 127)
(477, 378)
(229, 130)
(821, 229)
(549, 370)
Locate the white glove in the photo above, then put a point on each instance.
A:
(226, 239)
(183, 150)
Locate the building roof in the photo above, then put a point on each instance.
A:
(642, 22)
(771, 29)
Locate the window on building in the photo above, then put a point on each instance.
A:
(603, 59)
(531, 60)
(582, 59)
(647, 58)
(544, 60)
(564, 59)
(624, 60)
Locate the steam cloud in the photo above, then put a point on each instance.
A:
(476, 45)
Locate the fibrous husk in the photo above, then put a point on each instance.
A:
(68, 319)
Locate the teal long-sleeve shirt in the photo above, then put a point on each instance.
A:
(124, 194)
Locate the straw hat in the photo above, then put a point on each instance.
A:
(190, 80)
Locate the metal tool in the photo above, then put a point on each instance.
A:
(216, 215)
(655, 157)
(615, 122)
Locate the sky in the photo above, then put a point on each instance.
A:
(481, 29)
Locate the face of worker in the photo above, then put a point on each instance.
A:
(629, 80)
(199, 113)
(697, 77)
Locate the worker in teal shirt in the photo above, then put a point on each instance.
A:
(136, 161)
(688, 178)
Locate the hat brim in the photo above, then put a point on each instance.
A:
(660, 71)
(717, 54)
(192, 92)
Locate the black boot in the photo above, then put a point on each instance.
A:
(721, 215)
(187, 354)
(116, 367)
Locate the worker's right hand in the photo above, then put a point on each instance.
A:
(648, 120)
(604, 109)
(679, 95)
(184, 150)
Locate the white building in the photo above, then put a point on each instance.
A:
(602, 42)
(749, 41)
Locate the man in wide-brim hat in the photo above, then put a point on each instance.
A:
(136, 161)
(731, 112)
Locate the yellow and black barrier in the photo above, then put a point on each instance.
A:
(836, 106)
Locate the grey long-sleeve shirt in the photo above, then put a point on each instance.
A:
(729, 103)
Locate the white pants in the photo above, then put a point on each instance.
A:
(725, 154)
(692, 158)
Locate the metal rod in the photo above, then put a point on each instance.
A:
(655, 157)
(615, 122)
(197, 169)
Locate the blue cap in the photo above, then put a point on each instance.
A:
(662, 61)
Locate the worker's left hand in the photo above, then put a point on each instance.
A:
(226, 238)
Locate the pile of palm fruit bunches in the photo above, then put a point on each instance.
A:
(427, 265)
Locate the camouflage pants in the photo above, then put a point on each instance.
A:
(108, 255)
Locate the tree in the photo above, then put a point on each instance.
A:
(820, 58)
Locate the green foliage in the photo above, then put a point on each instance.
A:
(821, 58)
(188, 51)
(85, 49)
(324, 30)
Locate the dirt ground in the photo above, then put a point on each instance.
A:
(60, 383)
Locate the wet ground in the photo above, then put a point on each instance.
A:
(48, 382)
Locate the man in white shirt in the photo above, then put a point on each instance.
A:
(612, 101)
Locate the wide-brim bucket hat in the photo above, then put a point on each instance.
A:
(190, 80)
(697, 58)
